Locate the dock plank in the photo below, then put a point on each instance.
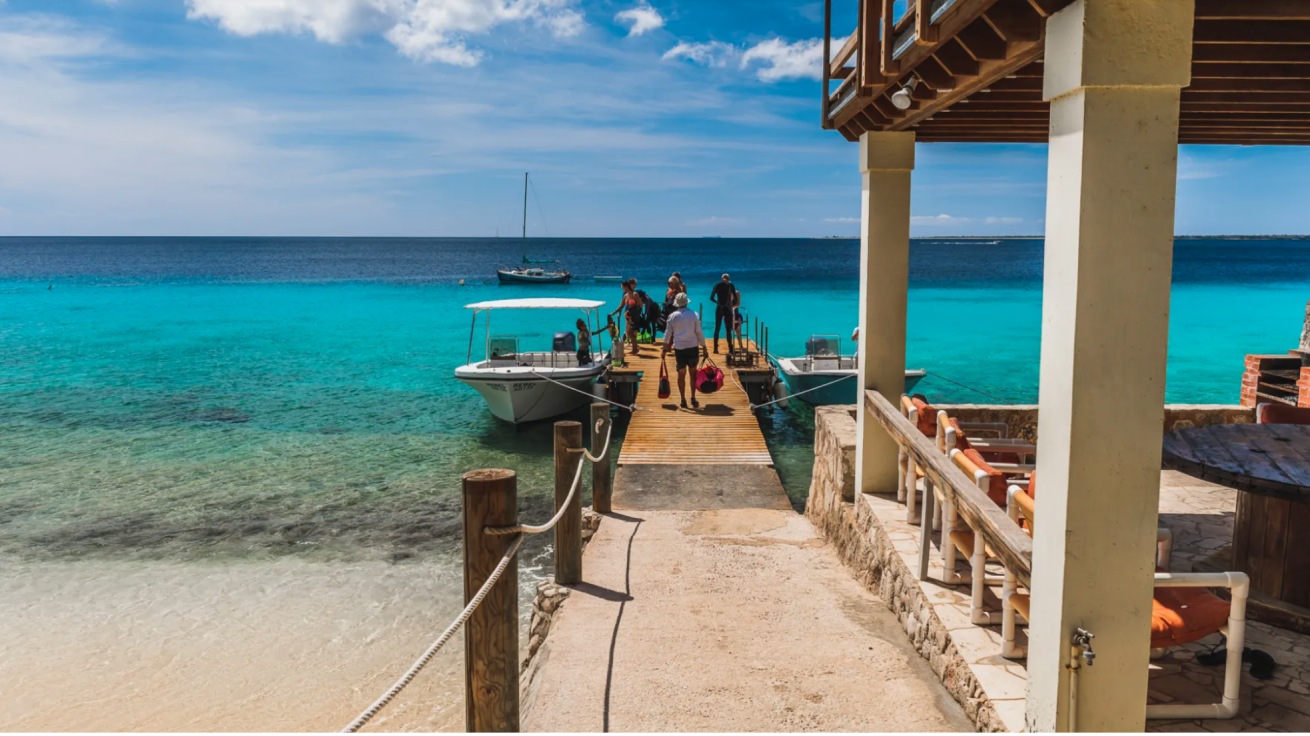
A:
(723, 431)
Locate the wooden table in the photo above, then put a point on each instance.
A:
(1269, 465)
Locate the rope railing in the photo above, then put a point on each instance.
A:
(422, 661)
(494, 577)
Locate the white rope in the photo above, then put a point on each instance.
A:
(431, 652)
(604, 454)
(529, 529)
(634, 407)
(802, 393)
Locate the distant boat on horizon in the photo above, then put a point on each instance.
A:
(526, 273)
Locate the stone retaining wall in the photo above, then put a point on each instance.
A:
(864, 546)
(1022, 418)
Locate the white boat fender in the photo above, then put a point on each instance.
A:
(600, 390)
(781, 394)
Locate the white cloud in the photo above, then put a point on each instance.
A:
(423, 30)
(710, 53)
(28, 40)
(643, 18)
(782, 60)
(846, 220)
(939, 220)
(717, 221)
(1003, 220)
(777, 59)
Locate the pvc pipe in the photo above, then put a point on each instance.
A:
(1240, 585)
(925, 530)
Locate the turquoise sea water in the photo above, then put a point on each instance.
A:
(250, 398)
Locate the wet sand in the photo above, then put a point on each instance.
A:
(276, 646)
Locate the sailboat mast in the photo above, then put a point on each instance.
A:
(525, 217)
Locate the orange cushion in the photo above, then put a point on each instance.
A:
(1183, 615)
(996, 483)
(927, 416)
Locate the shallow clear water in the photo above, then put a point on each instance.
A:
(253, 398)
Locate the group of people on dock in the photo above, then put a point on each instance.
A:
(681, 325)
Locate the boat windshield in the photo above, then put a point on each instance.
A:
(823, 346)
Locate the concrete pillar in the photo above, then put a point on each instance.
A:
(886, 160)
(1114, 69)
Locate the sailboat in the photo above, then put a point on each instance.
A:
(526, 272)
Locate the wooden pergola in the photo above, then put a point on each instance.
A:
(979, 66)
(1112, 87)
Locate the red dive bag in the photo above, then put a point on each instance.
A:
(665, 389)
(709, 378)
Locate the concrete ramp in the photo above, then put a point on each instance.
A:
(726, 619)
(698, 488)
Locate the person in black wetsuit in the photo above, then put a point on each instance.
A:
(724, 295)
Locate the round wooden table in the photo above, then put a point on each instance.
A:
(1269, 465)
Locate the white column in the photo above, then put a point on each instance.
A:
(886, 160)
(1114, 69)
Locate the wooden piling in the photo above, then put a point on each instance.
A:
(601, 476)
(491, 635)
(568, 532)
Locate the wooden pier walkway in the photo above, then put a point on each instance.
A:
(723, 431)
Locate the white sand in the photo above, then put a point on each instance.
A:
(276, 646)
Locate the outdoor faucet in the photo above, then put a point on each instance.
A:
(1082, 639)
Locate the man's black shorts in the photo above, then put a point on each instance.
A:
(687, 358)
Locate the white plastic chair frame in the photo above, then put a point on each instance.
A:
(1235, 629)
(976, 549)
(1164, 550)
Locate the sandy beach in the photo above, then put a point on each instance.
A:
(277, 646)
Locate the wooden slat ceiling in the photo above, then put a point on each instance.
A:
(981, 76)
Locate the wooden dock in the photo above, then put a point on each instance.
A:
(723, 431)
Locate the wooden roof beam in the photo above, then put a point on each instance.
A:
(1015, 20)
(1224, 53)
(1252, 10)
(1251, 31)
(983, 42)
(1250, 71)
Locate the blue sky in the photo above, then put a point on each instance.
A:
(418, 117)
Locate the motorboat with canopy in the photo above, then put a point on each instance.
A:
(824, 376)
(523, 385)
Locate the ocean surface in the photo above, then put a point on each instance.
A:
(251, 399)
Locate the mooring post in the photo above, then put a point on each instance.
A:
(568, 532)
(601, 484)
(491, 636)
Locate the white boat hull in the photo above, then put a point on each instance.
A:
(519, 396)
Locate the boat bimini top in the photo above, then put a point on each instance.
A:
(505, 347)
(585, 305)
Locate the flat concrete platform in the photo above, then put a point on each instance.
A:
(732, 619)
(698, 487)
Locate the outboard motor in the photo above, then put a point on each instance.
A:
(565, 342)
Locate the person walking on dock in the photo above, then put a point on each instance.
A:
(631, 306)
(724, 295)
(685, 337)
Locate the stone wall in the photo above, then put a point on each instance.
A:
(545, 605)
(1021, 419)
(865, 547)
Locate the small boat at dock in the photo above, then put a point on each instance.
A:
(823, 376)
(526, 386)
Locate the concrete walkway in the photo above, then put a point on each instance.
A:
(728, 619)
